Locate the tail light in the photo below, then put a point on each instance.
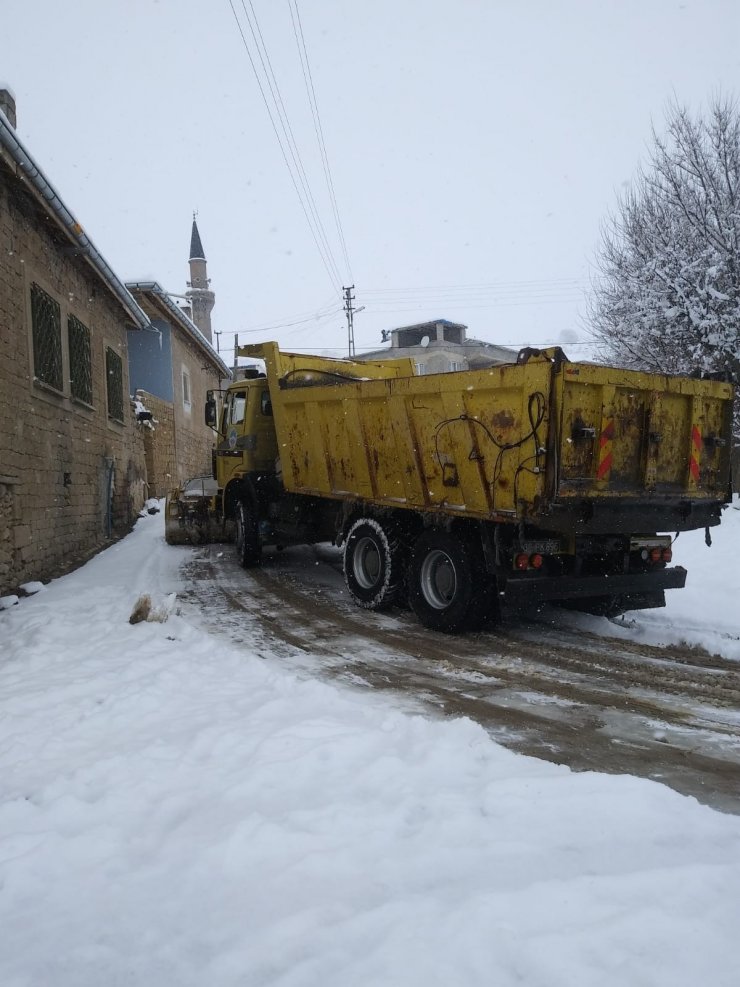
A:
(667, 555)
(656, 554)
(522, 561)
(536, 561)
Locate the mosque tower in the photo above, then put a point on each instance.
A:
(200, 296)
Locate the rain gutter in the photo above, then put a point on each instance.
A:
(31, 171)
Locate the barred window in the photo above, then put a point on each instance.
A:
(114, 382)
(80, 361)
(46, 324)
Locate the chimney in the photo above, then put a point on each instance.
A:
(7, 105)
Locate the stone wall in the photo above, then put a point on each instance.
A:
(195, 439)
(71, 476)
(159, 445)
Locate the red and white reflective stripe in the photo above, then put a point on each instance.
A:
(695, 456)
(605, 449)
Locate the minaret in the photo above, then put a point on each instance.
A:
(202, 299)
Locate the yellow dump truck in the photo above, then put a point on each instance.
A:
(457, 492)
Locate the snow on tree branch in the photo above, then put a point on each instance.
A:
(667, 293)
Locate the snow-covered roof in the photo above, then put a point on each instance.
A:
(155, 289)
(431, 322)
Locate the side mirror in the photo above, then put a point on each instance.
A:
(211, 413)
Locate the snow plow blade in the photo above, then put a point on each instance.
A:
(189, 515)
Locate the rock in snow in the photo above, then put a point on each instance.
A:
(29, 589)
(155, 609)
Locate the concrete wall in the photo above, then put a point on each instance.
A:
(441, 357)
(70, 476)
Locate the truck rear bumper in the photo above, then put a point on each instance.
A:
(527, 591)
(599, 515)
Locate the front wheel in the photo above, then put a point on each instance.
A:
(449, 588)
(374, 564)
(248, 547)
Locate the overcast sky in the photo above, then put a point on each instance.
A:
(474, 143)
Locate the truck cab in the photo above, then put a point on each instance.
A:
(246, 442)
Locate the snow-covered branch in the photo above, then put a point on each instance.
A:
(667, 296)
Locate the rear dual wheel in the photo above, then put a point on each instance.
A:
(374, 564)
(448, 585)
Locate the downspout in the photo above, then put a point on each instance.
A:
(111, 465)
(34, 175)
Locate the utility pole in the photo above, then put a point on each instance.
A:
(350, 311)
(217, 334)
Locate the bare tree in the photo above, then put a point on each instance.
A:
(667, 295)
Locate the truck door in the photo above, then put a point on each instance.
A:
(262, 426)
(247, 441)
(229, 449)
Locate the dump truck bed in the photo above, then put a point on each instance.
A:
(540, 440)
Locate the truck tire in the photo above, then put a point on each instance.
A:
(449, 588)
(374, 564)
(248, 547)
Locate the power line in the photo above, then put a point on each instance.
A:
(475, 293)
(299, 322)
(483, 296)
(319, 319)
(425, 306)
(513, 344)
(335, 280)
(311, 93)
(287, 129)
(306, 316)
(517, 289)
(484, 284)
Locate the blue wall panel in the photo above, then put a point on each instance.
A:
(150, 360)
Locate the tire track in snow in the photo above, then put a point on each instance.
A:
(569, 696)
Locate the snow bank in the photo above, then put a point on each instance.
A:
(705, 613)
(176, 811)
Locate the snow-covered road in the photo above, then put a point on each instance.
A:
(571, 689)
(181, 808)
